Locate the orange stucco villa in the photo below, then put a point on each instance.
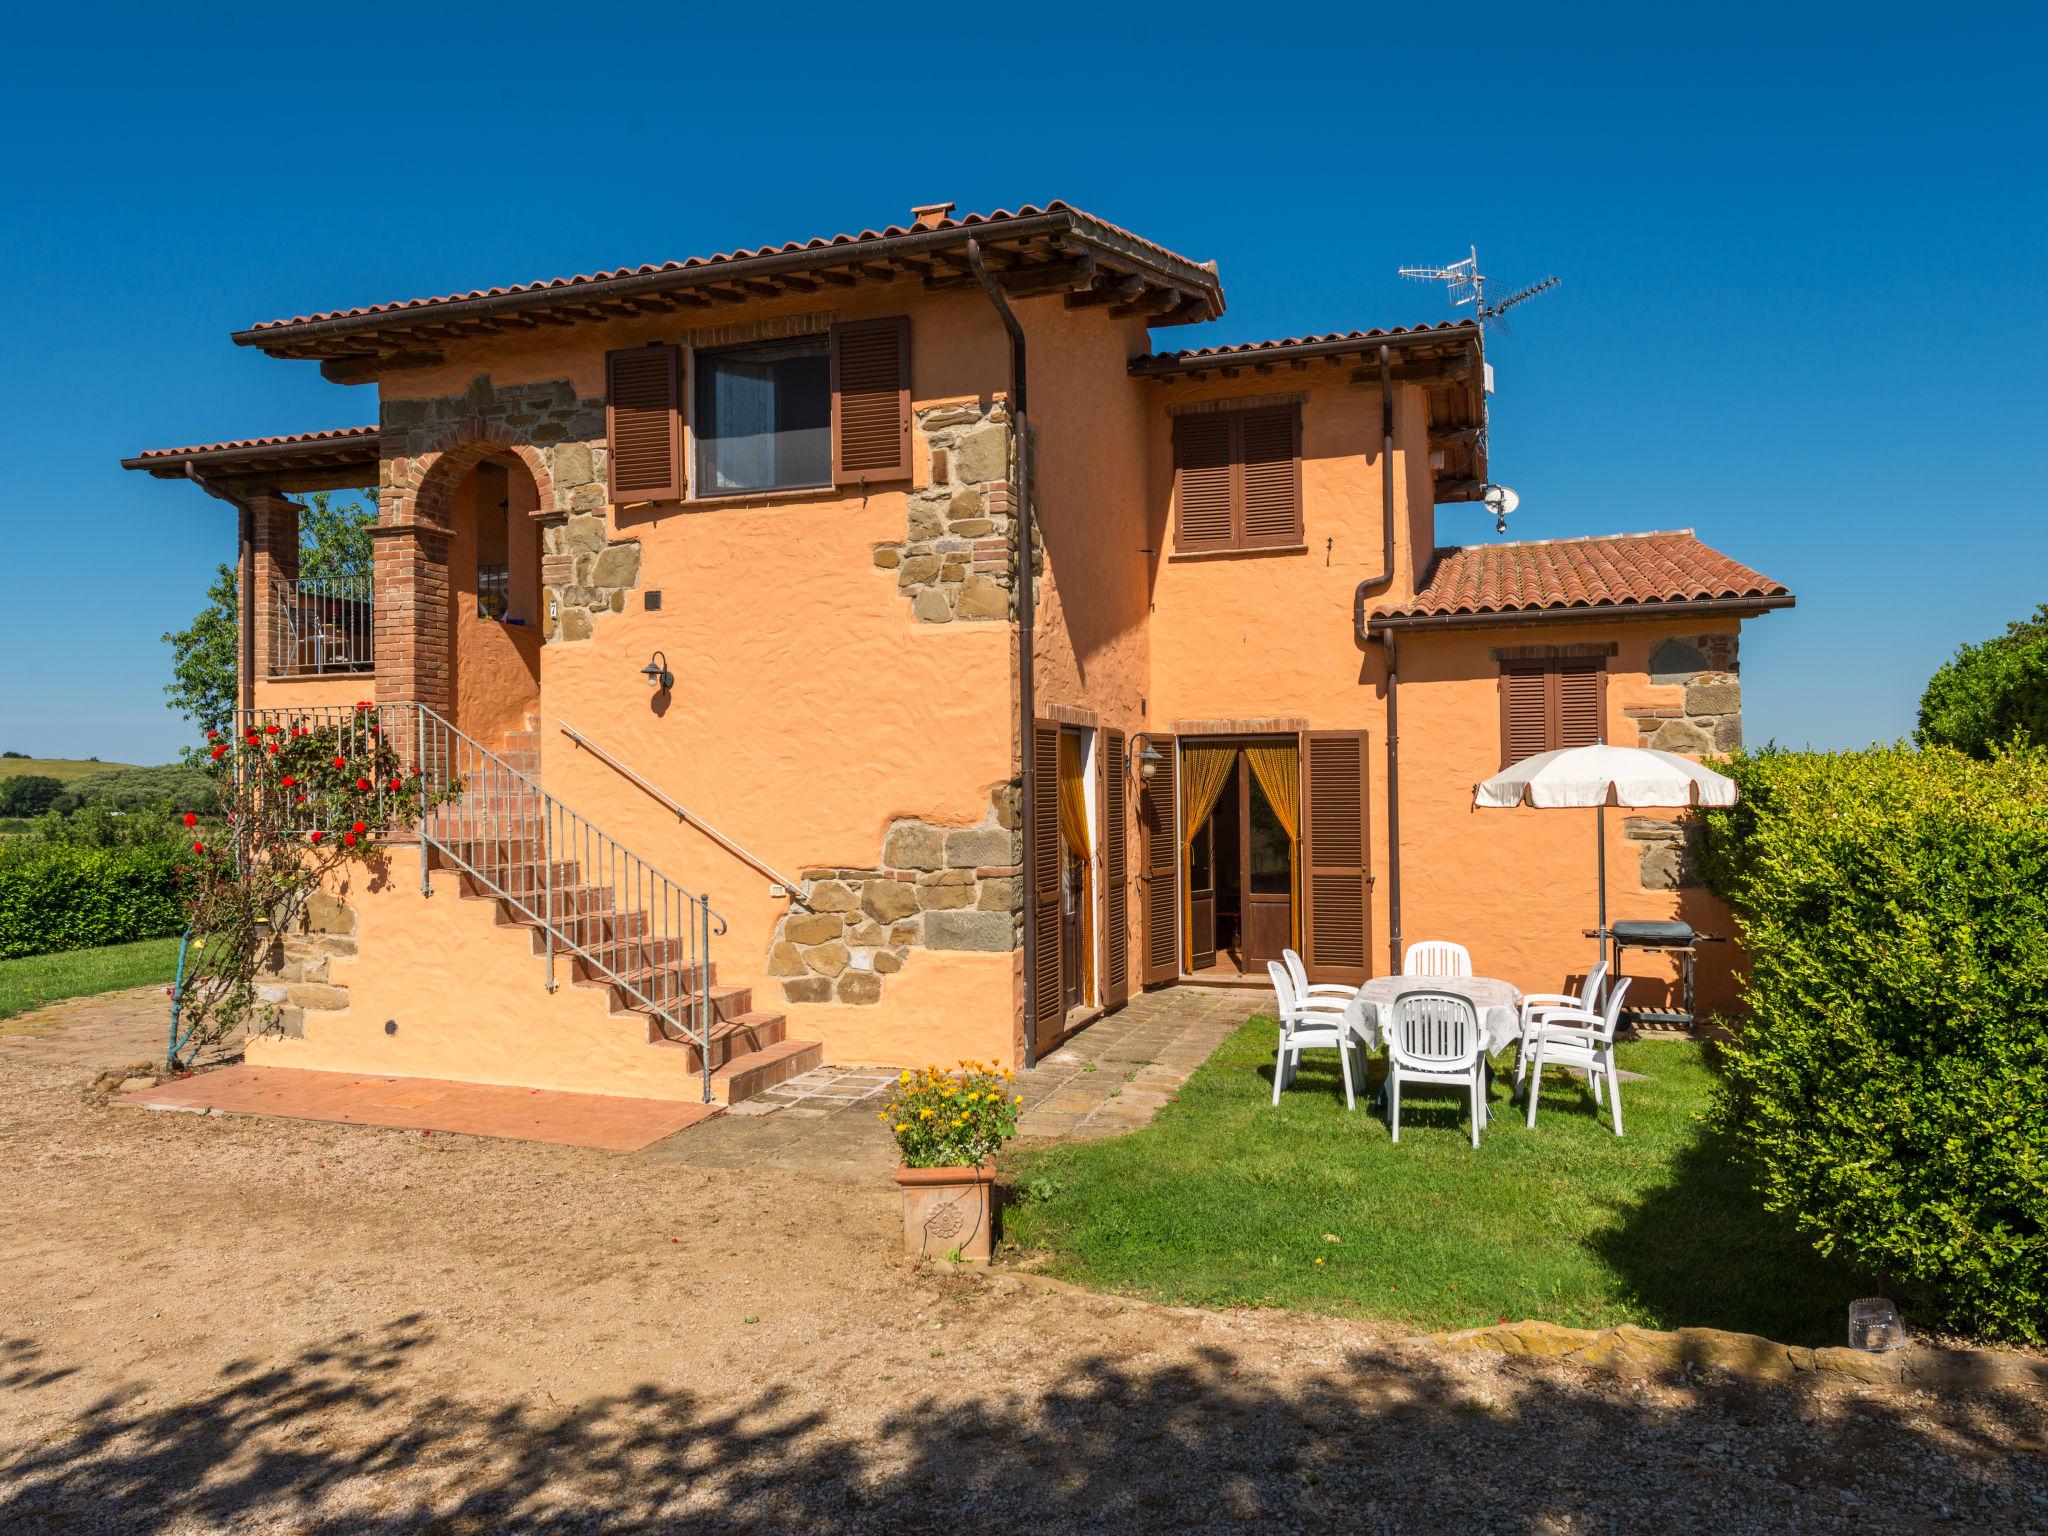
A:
(787, 488)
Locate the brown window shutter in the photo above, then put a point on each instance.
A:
(1116, 940)
(871, 400)
(1044, 858)
(1524, 713)
(643, 422)
(1159, 831)
(1270, 474)
(1203, 481)
(1581, 693)
(1337, 861)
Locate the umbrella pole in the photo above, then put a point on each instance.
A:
(1600, 856)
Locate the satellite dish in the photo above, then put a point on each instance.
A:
(1500, 501)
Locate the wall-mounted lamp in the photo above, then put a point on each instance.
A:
(1142, 758)
(658, 676)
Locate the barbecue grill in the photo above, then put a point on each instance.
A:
(1668, 937)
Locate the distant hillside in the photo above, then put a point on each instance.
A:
(63, 769)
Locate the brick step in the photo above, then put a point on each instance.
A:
(586, 931)
(631, 951)
(528, 882)
(521, 744)
(744, 1076)
(727, 1003)
(730, 1038)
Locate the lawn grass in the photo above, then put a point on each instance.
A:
(1226, 1200)
(63, 769)
(40, 979)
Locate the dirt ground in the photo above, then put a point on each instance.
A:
(214, 1324)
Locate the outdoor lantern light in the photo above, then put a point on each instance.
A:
(1142, 756)
(657, 673)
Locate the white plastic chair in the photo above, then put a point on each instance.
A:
(1435, 1038)
(1314, 991)
(1437, 958)
(1536, 1004)
(1579, 1037)
(1311, 1025)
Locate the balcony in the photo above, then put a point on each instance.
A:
(322, 627)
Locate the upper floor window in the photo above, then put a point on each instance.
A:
(1549, 704)
(790, 413)
(762, 419)
(1237, 479)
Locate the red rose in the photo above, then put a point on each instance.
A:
(216, 752)
(341, 762)
(289, 781)
(199, 847)
(318, 835)
(300, 801)
(349, 838)
(272, 749)
(270, 730)
(191, 820)
(362, 783)
(359, 828)
(213, 735)
(394, 783)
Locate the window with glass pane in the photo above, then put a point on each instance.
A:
(1272, 864)
(763, 417)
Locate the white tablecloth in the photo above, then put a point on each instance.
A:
(1498, 1002)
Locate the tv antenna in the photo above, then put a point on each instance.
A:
(1466, 285)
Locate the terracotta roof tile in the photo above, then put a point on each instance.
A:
(1244, 348)
(695, 263)
(1618, 570)
(295, 440)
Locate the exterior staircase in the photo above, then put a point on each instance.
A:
(597, 911)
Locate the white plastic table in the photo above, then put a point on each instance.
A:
(1499, 1004)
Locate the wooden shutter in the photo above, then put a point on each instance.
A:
(643, 422)
(1524, 713)
(1043, 859)
(871, 400)
(1202, 481)
(1159, 831)
(1270, 477)
(1115, 865)
(1581, 692)
(1337, 856)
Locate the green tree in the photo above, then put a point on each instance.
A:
(28, 794)
(1990, 694)
(202, 685)
(334, 535)
(334, 541)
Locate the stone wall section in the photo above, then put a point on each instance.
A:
(1708, 720)
(561, 438)
(935, 888)
(954, 562)
(294, 973)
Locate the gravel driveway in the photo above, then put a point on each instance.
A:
(214, 1324)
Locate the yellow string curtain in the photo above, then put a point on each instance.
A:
(1278, 771)
(1203, 773)
(1074, 833)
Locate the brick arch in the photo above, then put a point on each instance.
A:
(429, 478)
(411, 556)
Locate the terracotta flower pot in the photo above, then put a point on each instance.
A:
(948, 1209)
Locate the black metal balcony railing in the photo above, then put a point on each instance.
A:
(322, 626)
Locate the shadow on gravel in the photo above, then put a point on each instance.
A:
(336, 1441)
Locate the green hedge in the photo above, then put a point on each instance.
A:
(1891, 1084)
(57, 896)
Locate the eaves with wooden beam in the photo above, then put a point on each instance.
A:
(1447, 360)
(342, 459)
(1033, 251)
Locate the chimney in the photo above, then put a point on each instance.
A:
(931, 215)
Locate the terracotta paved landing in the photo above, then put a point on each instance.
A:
(427, 1104)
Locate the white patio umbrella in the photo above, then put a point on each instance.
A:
(1595, 775)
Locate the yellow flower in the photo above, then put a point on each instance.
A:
(1018, 1101)
(959, 1119)
(905, 1077)
(904, 1127)
(927, 1112)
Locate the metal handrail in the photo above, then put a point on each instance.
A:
(792, 888)
(634, 927)
(322, 625)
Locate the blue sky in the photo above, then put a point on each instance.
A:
(1803, 305)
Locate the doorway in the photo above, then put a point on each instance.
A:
(494, 596)
(1241, 857)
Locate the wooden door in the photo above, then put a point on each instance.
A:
(1265, 874)
(1114, 863)
(1202, 897)
(1337, 871)
(1159, 837)
(1042, 858)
